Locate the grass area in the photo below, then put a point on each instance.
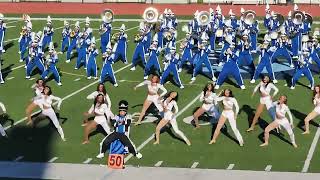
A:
(43, 143)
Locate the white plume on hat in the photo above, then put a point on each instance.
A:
(211, 10)
(204, 36)
(93, 40)
(39, 34)
(196, 13)
(165, 11)
(1, 16)
(29, 25)
(49, 19)
(123, 27)
(242, 10)
(228, 23)
(218, 8)
(231, 13)
(141, 26)
(160, 17)
(65, 23)
(267, 6)
(169, 11)
(295, 7)
(87, 20)
(289, 14)
(245, 32)
(272, 13)
(155, 37)
(51, 47)
(77, 24)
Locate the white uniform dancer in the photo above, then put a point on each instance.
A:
(38, 87)
(45, 102)
(101, 90)
(170, 108)
(315, 112)
(228, 102)
(153, 95)
(281, 110)
(264, 87)
(3, 108)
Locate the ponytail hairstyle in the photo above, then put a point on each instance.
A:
(96, 100)
(205, 89)
(168, 95)
(267, 83)
(104, 91)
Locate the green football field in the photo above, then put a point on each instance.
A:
(43, 144)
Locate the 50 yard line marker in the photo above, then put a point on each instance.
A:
(19, 158)
(268, 168)
(311, 151)
(53, 159)
(194, 165)
(87, 161)
(158, 164)
(230, 167)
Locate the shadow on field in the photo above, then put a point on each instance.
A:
(8, 45)
(224, 130)
(249, 111)
(301, 116)
(6, 71)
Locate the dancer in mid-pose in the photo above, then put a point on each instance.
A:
(153, 96)
(101, 89)
(45, 102)
(265, 87)
(228, 102)
(38, 87)
(208, 98)
(315, 112)
(2, 131)
(170, 107)
(281, 110)
(102, 114)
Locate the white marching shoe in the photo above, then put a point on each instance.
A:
(216, 87)
(292, 87)
(27, 77)
(275, 81)
(193, 78)
(68, 60)
(291, 65)
(116, 85)
(214, 78)
(179, 70)
(101, 155)
(89, 77)
(242, 87)
(139, 155)
(181, 87)
(21, 60)
(133, 69)
(145, 77)
(252, 81)
(59, 84)
(2, 82)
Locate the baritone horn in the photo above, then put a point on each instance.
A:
(107, 15)
(249, 17)
(203, 18)
(150, 15)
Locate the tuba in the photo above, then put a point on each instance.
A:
(203, 18)
(150, 15)
(249, 17)
(107, 15)
(298, 17)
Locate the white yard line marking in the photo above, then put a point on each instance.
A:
(12, 22)
(158, 164)
(78, 79)
(194, 165)
(18, 67)
(87, 161)
(73, 74)
(152, 135)
(70, 95)
(230, 167)
(31, 79)
(9, 78)
(8, 27)
(268, 168)
(53, 159)
(19, 158)
(311, 151)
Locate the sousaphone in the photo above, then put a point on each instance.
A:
(107, 15)
(249, 17)
(297, 17)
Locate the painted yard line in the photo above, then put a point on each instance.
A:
(194, 165)
(268, 168)
(70, 95)
(8, 27)
(31, 79)
(78, 79)
(53, 159)
(19, 158)
(152, 135)
(10, 22)
(18, 67)
(9, 78)
(230, 166)
(311, 151)
(99, 19)
(64, 72)
(158, 164)
(87, 161)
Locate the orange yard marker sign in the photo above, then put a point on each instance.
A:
(116, 161)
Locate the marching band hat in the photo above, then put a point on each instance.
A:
(123, 105)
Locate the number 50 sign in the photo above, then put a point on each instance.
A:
(115, 161)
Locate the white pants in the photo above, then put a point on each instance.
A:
(155, 100)
(2, 132)
(284, 122)
(267, 101)
(175, 128)
(229, 114)
(102, 121)
(207, 107)
(53, 117)
(317, 109)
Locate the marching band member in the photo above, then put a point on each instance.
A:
(314, 49)
(241, 21)
(219, 21)
(229, 38)
(193, 26)
(296, 33)
(139, 52)
(25, 39)
(121, 123)
(254, 30)
(153, 62)
(45, 102)
(102, 115)
(264, 87)
(47, 34)
(38, 87)
(306, 26)
(51, 61)
(170, 107)
(1, 78)
(282, 49)
(153, 95)
(107, 70)
(203, 59)
(288, 24)
(234, 22)
(148, 34)
(87, 30)
(302, 67)
(315, 112)
(264, 62)
(2, 131)
(101, 89)
(208, 98)
(74, 34)
(65, 36)
(120, 47)
(173, 61)
(245, 56)
(83, 42)
(186, 47)
(230, 67)
(92, 53)
(280, 119)
(3, 28)
(211, 30)
(105, 32)
(35, 56)
(228, 102)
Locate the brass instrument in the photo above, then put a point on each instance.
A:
(72, 34)
(107, 15)
(183, 44)
(203, 18)
(150, 15)
(249, 17)
(137, 37)
(167, 35)
(23, 31)
(308, 18)
(115, 37)
(297, 17)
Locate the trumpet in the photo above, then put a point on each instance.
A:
(137, 37)
(23, 32)
(72, 34)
